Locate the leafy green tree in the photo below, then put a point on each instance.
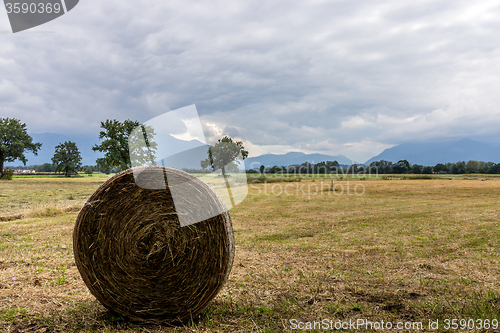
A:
(292, 169)
(401, 167)
(224, 152)
(262, 169)
(205, 164)
(305, 168)
(8, 174)
(222, 155)
(441, 168)
(67, 159)
(332, 166)
(278, 170)
(416, 169)
(352, 169)
(406, 163)
(483, 167)
(427, 170)
(320, 168)
(88, 171)
(381, 167)
(327, 167)
(274, 169)
(116, 145)
(458, 168)
(46, 167)
(494, 169)
(14, 141)
(472, 166)
(362, 170)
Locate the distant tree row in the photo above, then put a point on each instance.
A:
(49, 167)
(383, 167)
(306, 168)
(461, 167)
(15, 141)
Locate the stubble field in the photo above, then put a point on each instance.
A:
(405, 251)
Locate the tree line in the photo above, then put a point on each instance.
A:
(114, 136)
(382, 167)
(15, 142)
(460, 167)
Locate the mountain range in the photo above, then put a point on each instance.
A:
(180, 153)
(432, 153)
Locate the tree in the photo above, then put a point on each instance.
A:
(292, 169)
(116, 144)
(262, 169)
(332, 166)
(458, 168)
(381, 167)
(277, 170)
(495, 169)
(427, 170)
(440, 168)
(406, 163)
(305, 168)
(89, 171)
(274, 169)
(416, 169)
(45, 167)
(320, 168)
(223, 154)
(14, 141)
(472, 166)
(324, 168)
(67, 159)
(352, 169)
(483, 167)
(401, 167)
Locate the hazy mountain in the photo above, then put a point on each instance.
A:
(190, 158)
(432, 153)
(269, 160)
(179, 153)
(168, 146)
(51, 140)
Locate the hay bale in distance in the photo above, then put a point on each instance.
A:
(139, 262)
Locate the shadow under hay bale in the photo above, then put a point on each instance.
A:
(138, 261)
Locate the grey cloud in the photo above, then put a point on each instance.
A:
(317, 76)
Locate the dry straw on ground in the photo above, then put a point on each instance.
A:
(138, 261)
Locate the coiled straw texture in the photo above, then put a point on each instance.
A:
(135, 257)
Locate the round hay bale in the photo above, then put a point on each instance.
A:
(138, 261)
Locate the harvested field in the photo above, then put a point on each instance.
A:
(397, 250)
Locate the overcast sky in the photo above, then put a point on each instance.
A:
(334, 77)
